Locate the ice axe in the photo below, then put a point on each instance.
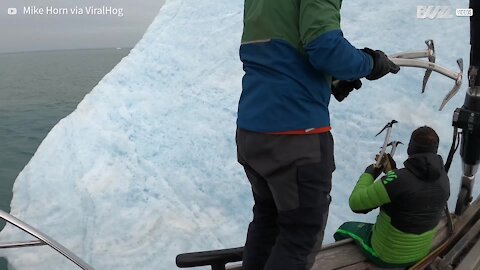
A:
(387, 127)
(410, 59)
(387, 162)
(456, 76)
(428, 53)
(394, 145)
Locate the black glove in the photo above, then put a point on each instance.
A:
(381, 64)
(375, 172)
(341, 89)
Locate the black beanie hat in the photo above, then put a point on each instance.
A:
(423, 140)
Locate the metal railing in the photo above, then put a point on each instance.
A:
(42, 241)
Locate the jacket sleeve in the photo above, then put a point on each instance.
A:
(368, 194)
(328, 51)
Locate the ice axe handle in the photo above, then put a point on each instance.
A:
(387, 127)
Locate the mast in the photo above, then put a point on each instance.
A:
(468, 117)
(475, 34)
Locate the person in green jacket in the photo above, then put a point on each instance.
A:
(411, 202)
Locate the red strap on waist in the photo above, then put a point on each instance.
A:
(303, 131)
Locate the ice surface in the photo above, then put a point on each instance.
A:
(145, 167)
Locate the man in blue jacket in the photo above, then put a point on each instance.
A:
(291, 49)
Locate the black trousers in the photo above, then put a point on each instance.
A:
(291, 182)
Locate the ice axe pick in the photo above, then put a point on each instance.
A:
(394, 145)
(387, 127)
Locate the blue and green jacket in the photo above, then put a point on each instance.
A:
(290, 51)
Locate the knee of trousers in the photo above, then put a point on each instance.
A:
(305, 189)
(305, 216)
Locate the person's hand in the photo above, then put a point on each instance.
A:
(389, 164)
(373, 171)
(381, 64)
(341, 89)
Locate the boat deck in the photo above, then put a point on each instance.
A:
(345, 255)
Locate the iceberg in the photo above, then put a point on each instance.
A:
(145, 167)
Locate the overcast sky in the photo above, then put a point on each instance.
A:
(24, 32)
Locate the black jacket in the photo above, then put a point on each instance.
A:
(419, 194)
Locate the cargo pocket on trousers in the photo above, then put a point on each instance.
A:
(314, 184)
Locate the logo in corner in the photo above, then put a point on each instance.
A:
(434, 12)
